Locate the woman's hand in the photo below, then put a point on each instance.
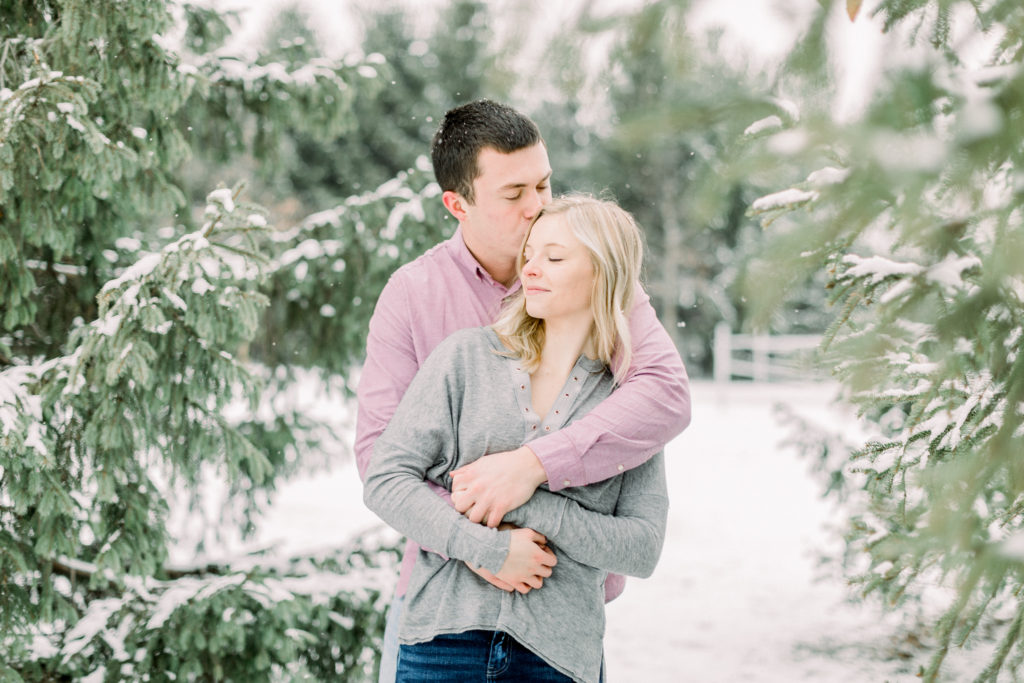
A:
(529, 561)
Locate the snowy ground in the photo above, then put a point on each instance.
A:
(738, 594)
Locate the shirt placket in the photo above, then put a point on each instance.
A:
(559, 411)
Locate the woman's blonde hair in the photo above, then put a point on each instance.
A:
(614, 243)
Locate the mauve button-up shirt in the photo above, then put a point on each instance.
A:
(445, 290)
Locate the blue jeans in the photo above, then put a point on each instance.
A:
(471, 657)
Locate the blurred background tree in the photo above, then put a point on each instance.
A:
(912, 206)
(319, 318)
(654, 118)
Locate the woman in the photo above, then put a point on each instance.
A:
(544, 363)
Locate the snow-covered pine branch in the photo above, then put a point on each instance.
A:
(143, 381)
(342, 257)
(917, 226)
(254, 616)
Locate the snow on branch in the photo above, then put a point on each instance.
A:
(829, 175)
(949, 273)
(878, 268)
(769, 123)
(786, 199)
(21, 413)
(403, 203)
(350, 580)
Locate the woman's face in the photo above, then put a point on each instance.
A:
(557, 275)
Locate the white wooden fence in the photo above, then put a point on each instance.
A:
(764, 358)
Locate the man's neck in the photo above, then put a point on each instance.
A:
(500, 269)
(501, 272)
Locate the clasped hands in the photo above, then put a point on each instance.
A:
(488, 489)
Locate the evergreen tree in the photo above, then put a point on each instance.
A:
(337, 260)
(914, 211)
(122, 345)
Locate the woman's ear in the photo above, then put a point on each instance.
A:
(455, 203)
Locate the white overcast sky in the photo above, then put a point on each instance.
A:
(762, 30)
(764, 27)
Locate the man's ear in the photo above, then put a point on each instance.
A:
(455, 203)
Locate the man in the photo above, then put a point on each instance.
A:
(493, 168)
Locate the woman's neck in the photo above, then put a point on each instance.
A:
(563, 344)
(564, 341)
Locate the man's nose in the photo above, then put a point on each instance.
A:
(535, 202)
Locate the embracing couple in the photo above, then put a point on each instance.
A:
(517, 394)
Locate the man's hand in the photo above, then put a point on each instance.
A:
(529, 561)
(487, 489)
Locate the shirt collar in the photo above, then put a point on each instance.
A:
(465, 260)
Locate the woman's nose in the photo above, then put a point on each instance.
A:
(530, 268)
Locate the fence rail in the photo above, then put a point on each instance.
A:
(764, 358)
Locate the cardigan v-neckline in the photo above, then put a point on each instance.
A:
(554, 420)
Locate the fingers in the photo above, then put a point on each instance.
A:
(482, 512)
(544, 563)
(468, 503)
(461, 501)
(529, 561)
(498, 583)
(529, 584)
(476, 514)
(479, 511)
(491, 578)
(496, 514)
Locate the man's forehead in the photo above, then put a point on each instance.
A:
(523, 167)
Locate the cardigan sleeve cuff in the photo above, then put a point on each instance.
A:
(479, 545)
(543, 513)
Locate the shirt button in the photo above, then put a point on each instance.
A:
(547, 429)
(621, 467)
(565, 483)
